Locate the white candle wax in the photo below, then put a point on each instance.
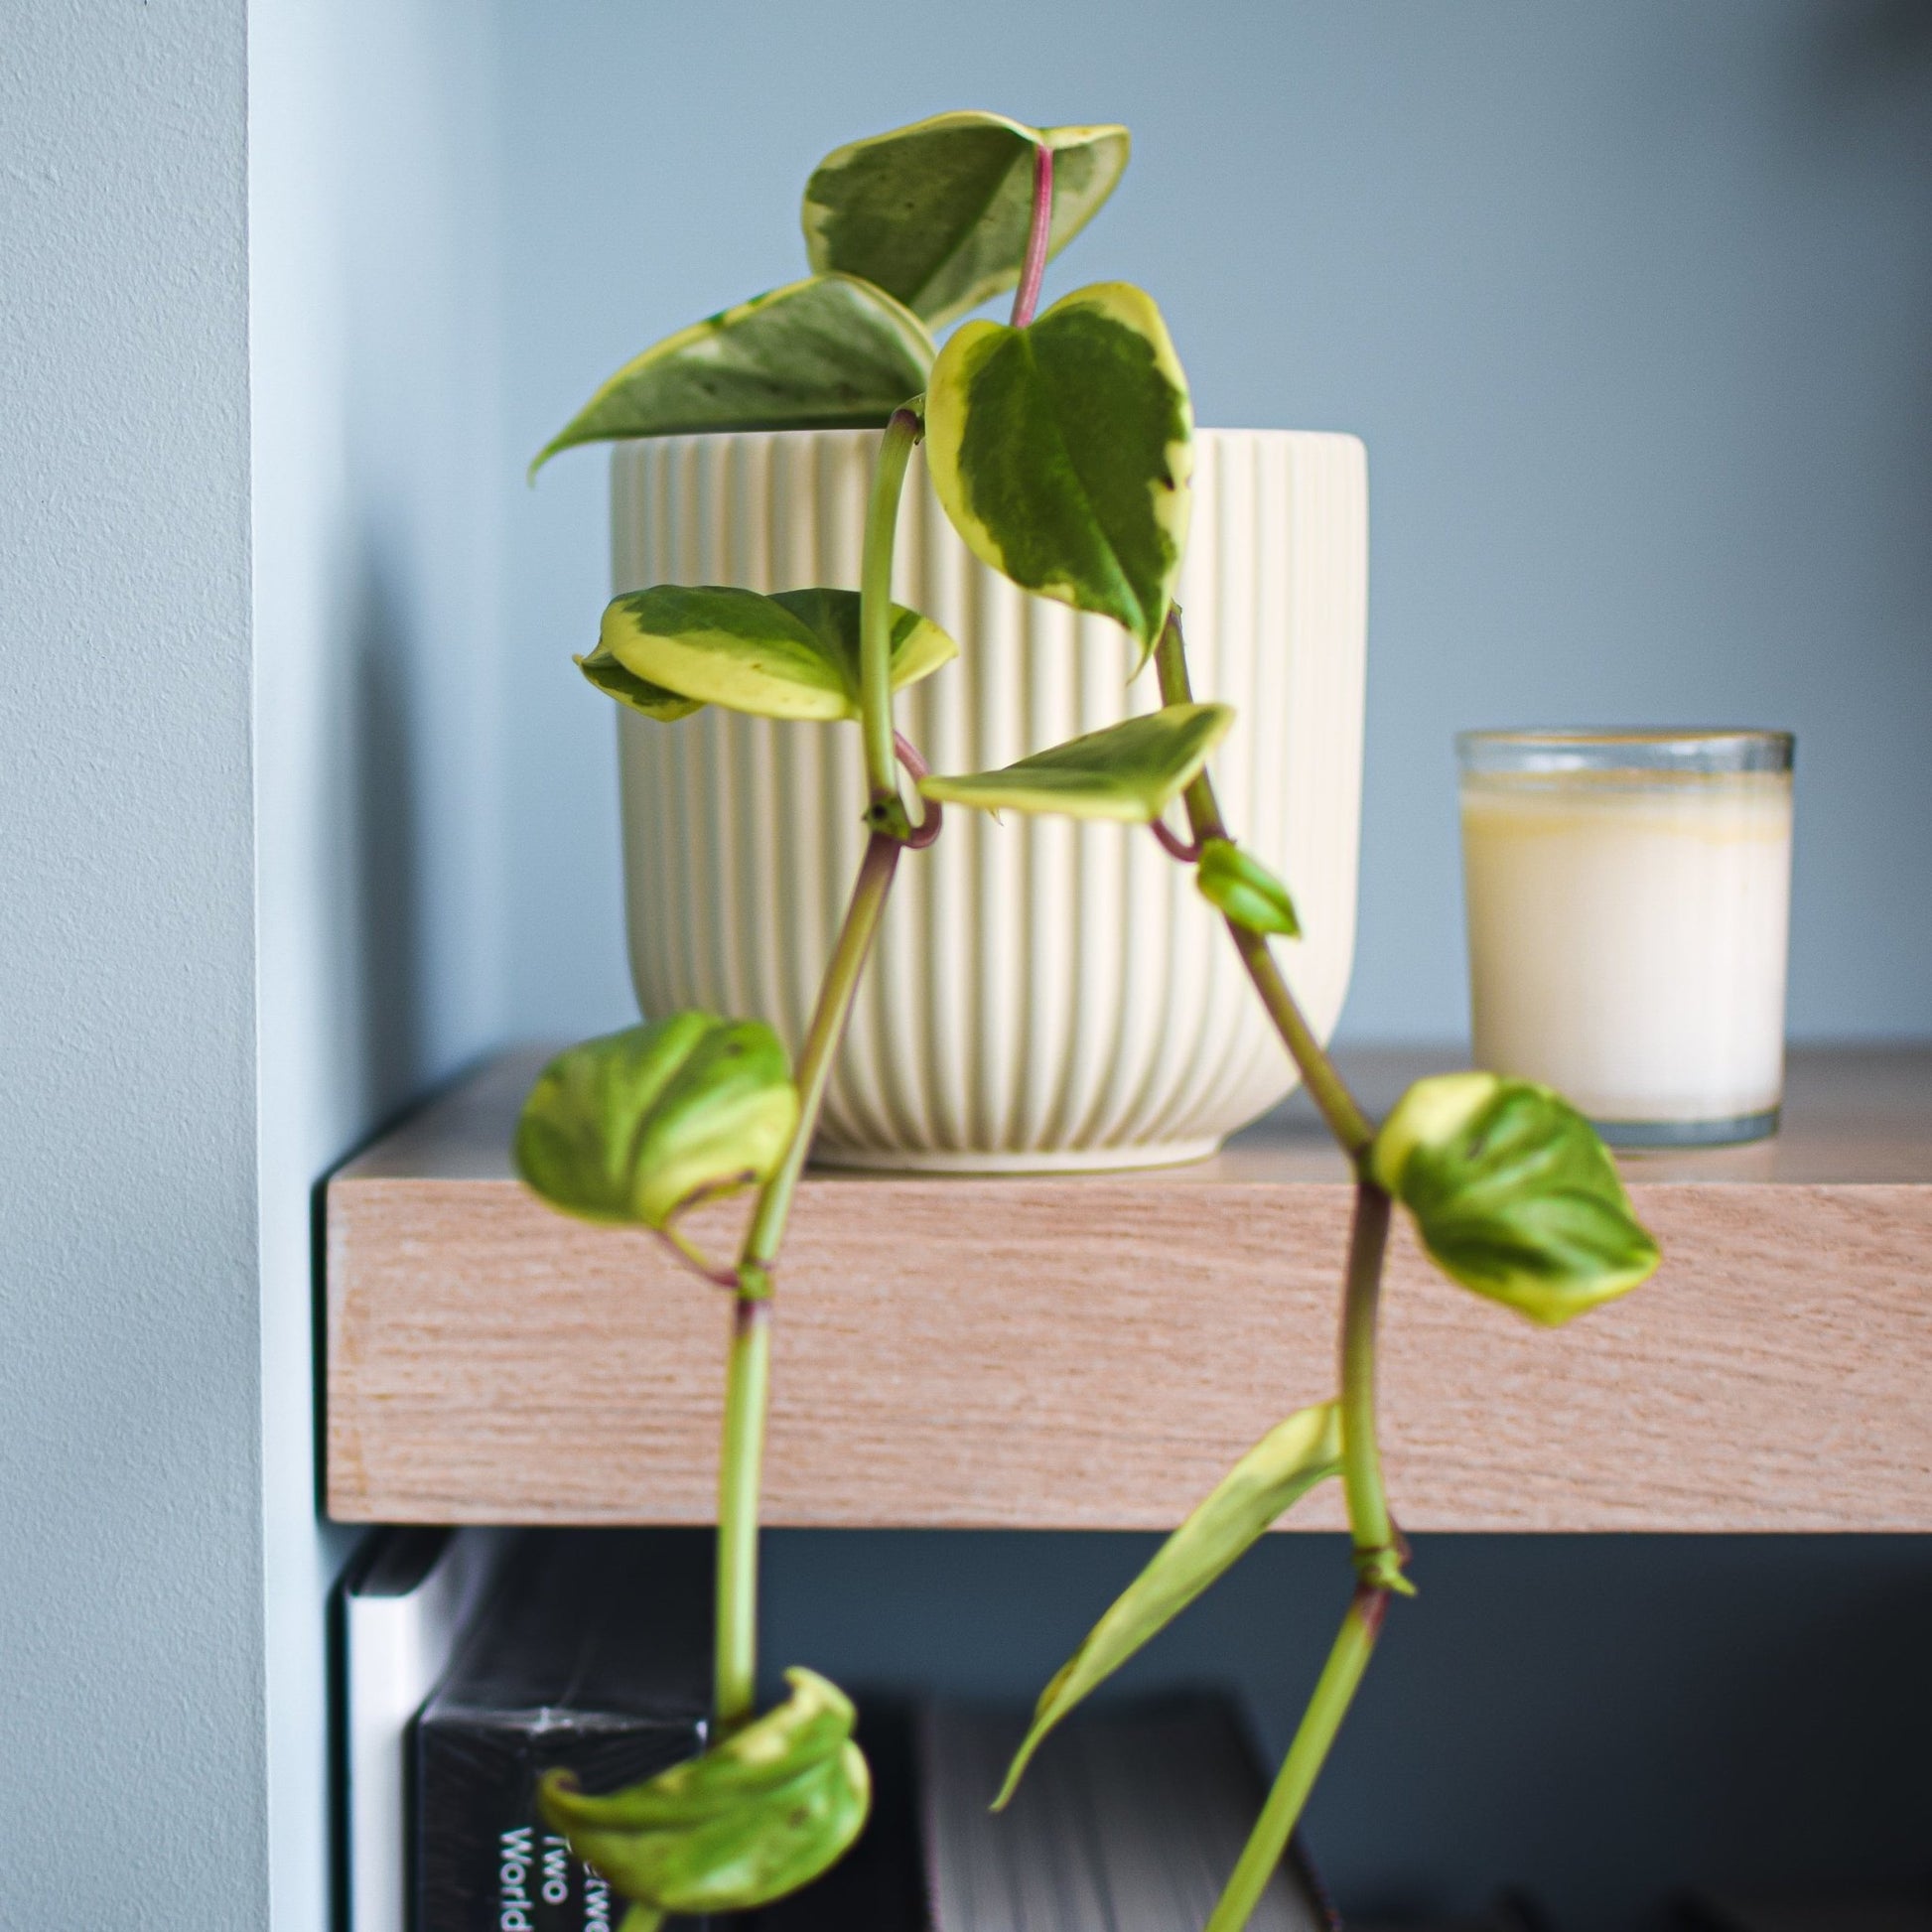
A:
(1627, 936)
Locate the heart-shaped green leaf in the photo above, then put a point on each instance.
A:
(627, 688)
(1061, 453)
(793, 654)
(749, 1821)
(937, 214)
(830, 353)
(1130, 772)
(1270, 1480)
(1513, 1194)
(1243, 889)
(635, 1124)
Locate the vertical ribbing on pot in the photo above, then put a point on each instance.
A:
(1044, 993)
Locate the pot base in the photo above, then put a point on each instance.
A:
(1067, 1159)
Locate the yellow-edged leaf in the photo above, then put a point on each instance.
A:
(1513, 1193)
(753, 1819)
(611, 677)
(937, 214)
(792, 654)
(632, 1126)
(1062, 451)
(829, 353)
(1272, 1477)
(1129, 772)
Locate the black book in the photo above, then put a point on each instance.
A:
(880, 1884)
(594, 1655)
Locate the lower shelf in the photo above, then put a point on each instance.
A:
(1092, 1352)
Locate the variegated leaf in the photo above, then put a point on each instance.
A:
(937, 214)
(1270, 1480)
(830, 353)
(1129, 772)
(751, 1820)
(793, 654)
(1061, 452)
(634, 1126)
(611, 677)
(1513, 1193)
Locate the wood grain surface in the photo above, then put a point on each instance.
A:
(1094, 1351)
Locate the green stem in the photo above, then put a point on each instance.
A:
(1378, 1568)
(739, 1470)
(1378, 1557)
(1378, 1571)
(1378, 1549)
(741, 1461)
(835, 996)
(1326, 1088)
(1329, 1093)
(886, 811)
(1334, 1692)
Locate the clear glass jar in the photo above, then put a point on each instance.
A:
(1628, 903)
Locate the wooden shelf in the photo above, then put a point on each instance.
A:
(1093, 1351)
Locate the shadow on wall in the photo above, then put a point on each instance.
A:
(385, 844)
(1866, 54)
(1864, 67)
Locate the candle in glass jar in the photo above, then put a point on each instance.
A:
(1628, 902)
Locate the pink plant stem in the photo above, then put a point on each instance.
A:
(1187, 851)
(705, 1270)
(928, 826)
(1034, 272)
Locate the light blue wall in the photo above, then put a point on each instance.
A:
(253, 896)
(377, 731)
(1631, 304)
(131, 1758)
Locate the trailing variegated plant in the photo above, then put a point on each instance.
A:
(1059, 445)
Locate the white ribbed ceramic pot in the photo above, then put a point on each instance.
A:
(1044, 995)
